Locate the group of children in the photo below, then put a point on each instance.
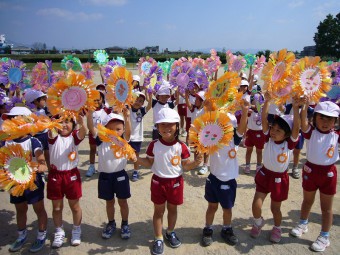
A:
(167, 157)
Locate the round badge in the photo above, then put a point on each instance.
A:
(74, 98)
(211, 134)
(14, 75)
(121, 90)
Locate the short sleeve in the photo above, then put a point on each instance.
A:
(154, 102)
(292, 143)
(171, 104)
(185, 151)
(143, 111)
(308, 134)
(237, 137)
(266, 136)
(36, 145)
(77, 141)
(149, 150)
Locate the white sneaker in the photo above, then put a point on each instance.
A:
(58, 239)
(320, 244)
(299, 230)
(203, 170)
(75, 240)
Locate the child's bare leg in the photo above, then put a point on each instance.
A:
(275, 207)
(93, 149)
(39, 209)
(158, 219)
(227, 215)
(258, 156)
(248, 155)
(124, 209)
(57, 213)
(307, 203)
(76, 211)
(21, 210)
(210, 213)
(326, 202)
(257, 204)
(172, 216)
(110, 209)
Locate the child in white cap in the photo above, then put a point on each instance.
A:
(280, 140)
(319, 172)
(135, 83)
(167, 157)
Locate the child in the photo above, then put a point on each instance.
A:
(135, 83)
(36, 197)
(192, 97)
(182, 111)
(220, 186)
(197, 110)
(113, 179)
(137, 113)
(98, 116)
(167, 158)
(64, 178)
(280, 140)
(319, 172)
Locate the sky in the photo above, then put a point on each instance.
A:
(172, 24)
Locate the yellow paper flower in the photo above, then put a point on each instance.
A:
(119, 146)
(311, 78)
(276, 75)
(210, 132)
(17, 172)
(119, 88)
(69, 96)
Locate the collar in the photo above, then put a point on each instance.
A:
(324, 132)
(168, 143)
(22, 139)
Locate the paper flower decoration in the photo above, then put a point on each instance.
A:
(311, 78)
(259, 64)
(71, 62)
(101, 57)
(119, 89)
(183, 76)
(42, 76)
(119, 146)
(109, 67)
(210, 132)
(250, 59)
(87, 71)
(153, 81)
(232, 106)
(213, 63)
(224, 89)
(13, 74)
(20, 126)
(145, 64)
(165, 67)
(4, 59)
(121, 61)
(237, 64)
(17, 171)
(71, 95)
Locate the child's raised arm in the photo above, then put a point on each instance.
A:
(90, 126)
(241, 129)
(296, 118)
(127, 126)
(82, 128)
(303, 116)
(39, 155)
(148, 97)
(265, 109)
(187, 101)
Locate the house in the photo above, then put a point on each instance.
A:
(114, 50)
(151, 50)
(308, 51)
(21, 50)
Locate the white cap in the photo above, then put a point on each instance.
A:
(288, 119)
(244, 76)
(16, 111)
(136, 77)
(244, 83)
(138, 93)
(201, 94)
(328, 108)
(167, 115)
(256, 77)
(32, 95)
(112, 116)
(164, 90)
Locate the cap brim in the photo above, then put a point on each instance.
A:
(166, 121)
(328, 114)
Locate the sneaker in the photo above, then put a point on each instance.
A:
(108, 230)
(158, 247)
(135, 176)
(91, 171)
(295, 173)
(246, 170)
(37, 245)
(17, 245)
(320, 244)
(76, 240)
(58, 239)
(258, 168)
(173, 239)
(125, 232)
(299, 230)
(203, 170)
(207, 236)
(229, 236)
(275, 235)
(256, 230)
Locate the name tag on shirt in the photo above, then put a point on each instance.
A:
(73, 178)
(122, 178)
(225, 187)
(176, 184)
(330, 174)
(277, 180)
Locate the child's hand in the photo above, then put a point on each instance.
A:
(267, 96)
(245, 105)
(198, 158)
(126, 112)
(134, 158)
(80, 120)
(42, 168)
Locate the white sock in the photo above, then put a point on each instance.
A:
(41, 235)
(77, 228)
(59, 229)
(22, 233)
(258, 221)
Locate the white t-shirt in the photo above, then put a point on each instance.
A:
(167, 157)
(320, 144)
(192, 102)
(196, 113)
(254, 121)
(107, 162)
(137, 129)
(99, 116)
(28, 144)
(61, 148)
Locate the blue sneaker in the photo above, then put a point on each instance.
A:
(158, 247)
(90, 171)
(17, 245)
(37, 245)
(173, 239)
(125, 232)
(108, 230)
(135, 176)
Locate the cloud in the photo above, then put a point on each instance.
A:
(330, 7)
(170, 27)
(107, 2)
(68, 15)
(295, 3)
(120, 21)
(284, 21)
(7, 6)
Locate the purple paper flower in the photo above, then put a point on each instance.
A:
(13, 74)
(183, 76)
(154, 70)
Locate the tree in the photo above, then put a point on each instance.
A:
(267, 53)
(38, 46)
(260, 53)
(327, 37)
(54, 48)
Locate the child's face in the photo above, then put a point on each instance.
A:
(139, 102)
(167, 130)
(324, 123)
(67, 127)
(243, 89)
(277, 134)
(98, 102)
(198, 102)
(116, 125)
(40, 102)
(194, 90)
(163, 98)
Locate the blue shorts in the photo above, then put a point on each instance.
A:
(31, 197)
(43, 139)
(300, 143)
(110, 184)
(136, 145)
(217, 191)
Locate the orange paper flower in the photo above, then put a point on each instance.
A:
(17, 172)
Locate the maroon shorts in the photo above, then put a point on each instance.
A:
(64, 183)
(182, 110)
(277, 184)
(167, 190)
(187, 124)
(254, 138)
(316, 177)
(92, 140)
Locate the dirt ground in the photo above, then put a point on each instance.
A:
(191, 217)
